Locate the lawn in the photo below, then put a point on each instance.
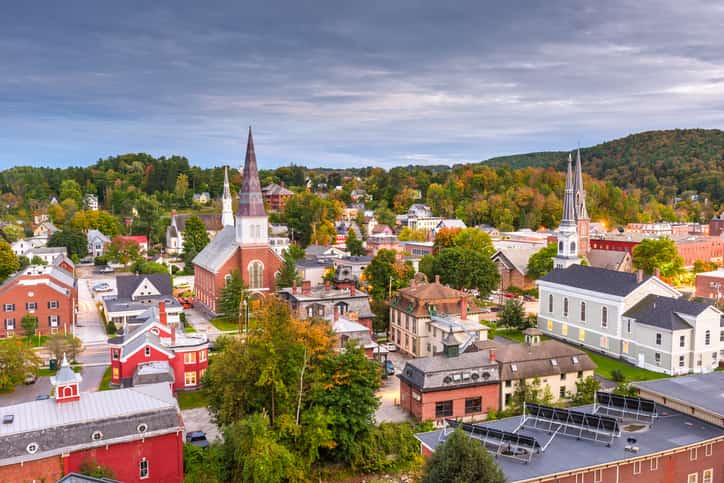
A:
(224, 325)
(105, 384)
(189, 329)
(36, 341)
(606, 365)
(192, 399)
(514, 335)
(45, 371)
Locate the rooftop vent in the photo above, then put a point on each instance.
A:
(8, 418)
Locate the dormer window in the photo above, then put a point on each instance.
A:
(514, 367)
(554, 362)
(575, 359)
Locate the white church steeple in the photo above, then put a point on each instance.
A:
(227, 213)
(567, 254)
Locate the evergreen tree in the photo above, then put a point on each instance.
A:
(230, 299)
(74, 241)
(195, 239)
(288, 273)
(462, 459)
(8, 261)
(354, 244)
(513, 315)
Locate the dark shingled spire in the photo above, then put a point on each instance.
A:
(580, 193)
(251, 202)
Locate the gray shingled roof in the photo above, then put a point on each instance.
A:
(518, 257)
(127, 284)
(662, 312)
(218, 250)
(595, 279)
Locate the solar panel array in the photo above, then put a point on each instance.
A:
(491, 434)
(626, 402)
(567, 422)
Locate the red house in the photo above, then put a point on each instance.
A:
(450, 386)
(141, 240)
(244, 247)
(47, 292)
(137, 433)
(153, 352)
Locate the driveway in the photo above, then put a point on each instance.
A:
(199, 419)
(200, 321)
(23, 393)
(389, 394)
(89, 326)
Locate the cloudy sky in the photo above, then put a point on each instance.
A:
(337, 83)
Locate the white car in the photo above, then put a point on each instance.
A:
(391, 347)
(102, 287)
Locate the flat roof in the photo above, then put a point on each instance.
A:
(704, 391)
(671, 430)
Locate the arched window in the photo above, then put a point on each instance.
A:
(256, 272)
(707, 337)
(583, 311)
(565, 307)
(604, 316)
(67, 391)
(342, 307)
(573, 247)
(550, 303)
(560, 246)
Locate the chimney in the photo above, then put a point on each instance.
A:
(162, 312)
(353, 290)
(327, 285)
(491, 354)
(173, 334)
(294, 287)
(336, 313)
(437, 278)
(657, 272)
(463, 308)
(306, 287)
(639, 276)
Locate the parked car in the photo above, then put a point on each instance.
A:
(102, 287)
(495, 308)
(197, 438)
(391, 347)
(104, 269)
(389, 368)
(30, 378)
(42, 397)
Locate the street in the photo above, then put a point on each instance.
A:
(389, 394)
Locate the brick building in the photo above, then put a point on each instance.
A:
(689, 247)
(276, 196)
(137, 433)
(451, 385)
(155, 351)
(244, 247)
(47, 292)
(322, 301)
(513, 266)
(716, 225)
(710, 285)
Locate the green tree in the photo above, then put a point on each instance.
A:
(385, 274)
(513, 315)
(74, 241)
(354, 244)
(204, 465)
(230, 298)
(310, 217)
(17, 359)
(661, 253)
(462, 459)
(70, 189)
(8, 261)
(29, 323)
(60, 344)
(91, 467)
(195, 239)
(36, 260)
(541, 262)
(410, 234)
(462, 268)
(585, 391)
(182, 186)
(475, 239)
(124, 251)
(425, 266)
(142, 266)
(13, 232)
(385, 216)
(703, 266)
(148, 220)
(288, 273)
(625, 389)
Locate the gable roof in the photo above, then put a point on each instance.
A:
(663, 312)
(275, 189)
(595, 279)
(127, 284)
(218, 250)
(608, 259)
(212, 221)
(535, 360)
(517, 258)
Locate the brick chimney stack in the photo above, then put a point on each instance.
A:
(657, 272)
(639, 276)
(491, 354)
(336, 313)
(162, 313)
(352, 290)
(463, 308)
(437, 278)
(294, 287)
(306, 287)
(327, 285)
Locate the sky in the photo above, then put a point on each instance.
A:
(349, 83)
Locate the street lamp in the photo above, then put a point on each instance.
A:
(245, 308)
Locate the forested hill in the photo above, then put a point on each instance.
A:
(664, 163)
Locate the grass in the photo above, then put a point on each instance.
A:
(514, 335)
(192, 399)
(36, 341)
(224, 325)
(189, 329)
(105, 384)
(46, 371)
(606, 366)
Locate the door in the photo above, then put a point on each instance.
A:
(641, 359)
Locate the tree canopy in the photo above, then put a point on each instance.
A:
(195, 239)
(385, 274)
(660, 253)
(463, 268)
(462, 459)
(541, 262)
(74, 240)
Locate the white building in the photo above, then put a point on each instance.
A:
(97, 243)
(91, 202)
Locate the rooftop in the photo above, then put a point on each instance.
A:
(439, 372)
(701, 390)
(595, 279)
(671, 430)
(665, 312)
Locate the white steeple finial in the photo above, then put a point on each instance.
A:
(227, 214)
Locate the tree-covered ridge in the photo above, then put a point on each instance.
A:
(663, 163)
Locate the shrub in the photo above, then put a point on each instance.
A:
(618, 376)
(389, 447)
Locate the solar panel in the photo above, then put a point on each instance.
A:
(637, 407)
(569, 422)
(507, 444)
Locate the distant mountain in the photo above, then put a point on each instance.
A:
(664, 163)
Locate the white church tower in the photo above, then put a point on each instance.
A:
(568, 231)
(227, 213)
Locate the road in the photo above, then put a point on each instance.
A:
(389, 394)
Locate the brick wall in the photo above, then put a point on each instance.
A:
(425, 408)
(46, 469)
(20, 295)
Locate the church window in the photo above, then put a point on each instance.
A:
(604, 317)
(227, 279)
(583, 311)
(550, 303)
(573, 247)
(565, 307)
(256, 271)
(97, 436)
(32, 448)
(560, 246)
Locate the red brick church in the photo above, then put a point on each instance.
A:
(243, 246)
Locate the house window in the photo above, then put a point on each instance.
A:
(654, 464)
(473, 405)
(190, 378)
(657, 358)
(707, 337)
(202, 356)
(443, 409)
(628, 326)
(53, 320)
(189, 357)
(10, 324)
(637, 468)
(550, 303)
(31, 306)
(143, 469)
(565, 307)
(256, 272)
(658, 339)
(604, 317)
(147, 351)
(707, 476)
(708, 449)
(9, 307)
(563, 376)
(693, 478)
(581, 334)
(227, 279)
(310, 311)
(583, 311)
(508, 383)
(579, 375)
(681, 361)
(562, 392)
(115, 354)
(597, 476)
(53, 304)
(693, 453)
(682, 341)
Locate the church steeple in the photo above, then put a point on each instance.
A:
(580, 192)
(227, 213)
(567, 254)
(569, 206)
(251, 218)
